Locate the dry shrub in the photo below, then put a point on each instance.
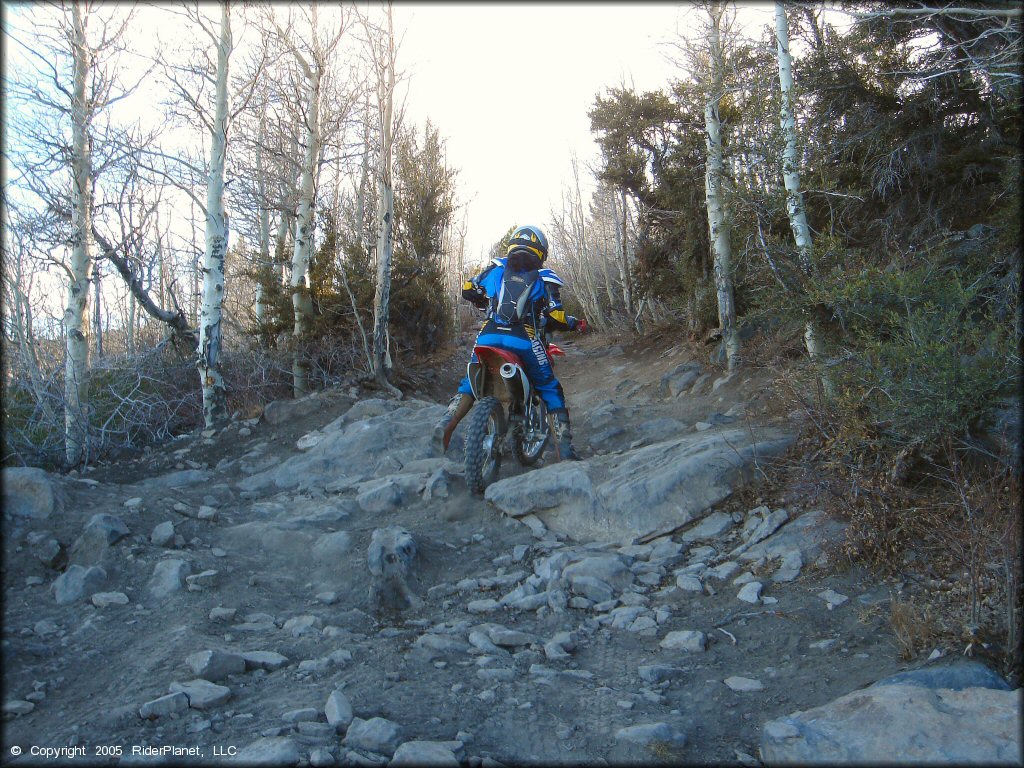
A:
(913, 626)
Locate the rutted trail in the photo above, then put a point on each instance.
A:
(223, 588)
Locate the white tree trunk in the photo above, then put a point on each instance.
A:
(621, 250)
(791, 172)
(304, 224)
(385, 215)
(718, 222)
(264, 227)
(76, 364)
(211, 380)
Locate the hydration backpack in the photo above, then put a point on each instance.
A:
(512, 304)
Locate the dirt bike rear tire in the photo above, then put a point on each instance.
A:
(529, 458)
(482, 465)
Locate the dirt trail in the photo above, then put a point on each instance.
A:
(88, 670)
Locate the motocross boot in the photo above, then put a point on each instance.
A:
(458, 407)
(563, 435)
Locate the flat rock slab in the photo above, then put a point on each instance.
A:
(268, 751)
(202, 694)
(908, 724)
(375, 438)
(424, 753)
(645, 492)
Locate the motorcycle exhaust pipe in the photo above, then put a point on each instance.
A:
(507, 371)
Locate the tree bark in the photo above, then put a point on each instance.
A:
(816, 348)
(263, 268)
(718, 222)
(76, 365)
(302, 250)
(210, 377)
(385, 216)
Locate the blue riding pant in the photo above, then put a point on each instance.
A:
(531, 352)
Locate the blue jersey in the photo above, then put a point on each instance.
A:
(545, 295)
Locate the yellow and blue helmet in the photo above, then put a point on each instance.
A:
(528, 238)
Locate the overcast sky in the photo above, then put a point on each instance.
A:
(510, 85)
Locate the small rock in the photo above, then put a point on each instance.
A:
(17, 707)
(327, 598)
(222, 614)
(744, 684)
(162, 534)
(487, 605)
(266, 660)
(269, 751)
(197, 582)
(510, 637)
(215, 664)
(684, 640)
(300, 715)
(649, 734)
(338, 710)
(832, 598)
(424, 753)
(45, 627)
(658, 673)
(824, 645)
(751, 592)
(51, 553)
(374, 735)
(206, 513)
(104, 599)
(319, 757)
(689, 583)
(164, 706)
(134, 502)
(168, 577)
(202, 694)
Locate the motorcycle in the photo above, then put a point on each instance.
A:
(508, 410)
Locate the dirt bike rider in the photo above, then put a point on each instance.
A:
(497, 288)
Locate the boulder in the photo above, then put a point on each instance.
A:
(374, 735)
(168, 577)
(338, 710)
(162, 534)
(30, 492)
(78, 582)
(215, 664)
(643, 493)
(956, 677)
(389, 558)
(903, 722)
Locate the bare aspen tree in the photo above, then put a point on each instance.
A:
(80, 269)
(718, 220)
(383, 54)
(791, 171)
(211, 380)
(622, 248)
(313, 62)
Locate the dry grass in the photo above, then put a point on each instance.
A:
(914, 627)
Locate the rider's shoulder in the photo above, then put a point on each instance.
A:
(549, 276)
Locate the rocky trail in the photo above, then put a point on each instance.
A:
(316, 586)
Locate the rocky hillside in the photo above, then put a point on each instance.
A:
(317, 587)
